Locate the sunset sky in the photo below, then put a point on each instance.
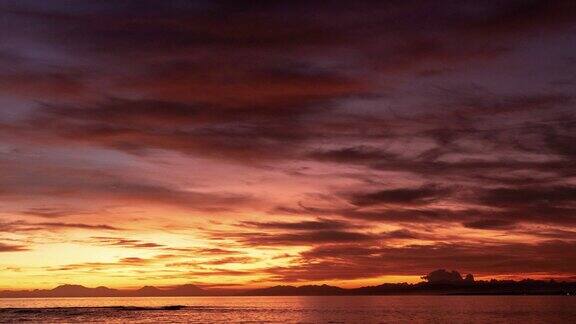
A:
(255, 143)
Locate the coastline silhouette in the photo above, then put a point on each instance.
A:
(438, 282)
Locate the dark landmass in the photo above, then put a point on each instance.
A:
(439, 282)
(493, 287)
(308, 290)
(81, 291)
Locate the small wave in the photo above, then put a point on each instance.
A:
(28, 310)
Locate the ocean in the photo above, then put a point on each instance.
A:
(325, 309)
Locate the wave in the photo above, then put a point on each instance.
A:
(94, 308)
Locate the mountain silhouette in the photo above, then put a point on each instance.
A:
(308, 290)
(186, 290)
(439, 282)
(101, 291)
(147, 291)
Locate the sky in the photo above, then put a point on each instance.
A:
(254, 143)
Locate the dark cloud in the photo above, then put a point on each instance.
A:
(125, 242)
(303, 238)
(468, 102)
(48, 85)
(481, 216)
(362, 261)
(134, 261)
(265, 82)
(555, 234)
(203, 251)
(48, 212)
(316, 225)
(24, 181)
(217, 272)
(88, 267)
(497, 224)
(23, 226)
(355, 155)
(231, 260)
(244, 133)
(12, 248)
(314, 236)
(403, 196)
(402, 234)
(74, 225)
(525, 197)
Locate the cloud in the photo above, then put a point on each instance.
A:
(509, 197)
(23, 180)
(264, 98)
(134, 261)
(231, 260)
(403, 196)
(138, 262)
(403, 234)
(203, 251)
(356, 261)
(12, 248)
(496, 224)
(239, 133)
(48, 212)
(303, 238)
(354, 155)
(23, 226)
(315, 225)
(125, 242)
(467, 102)
(308, 236)
(75, 225)
(474, 216)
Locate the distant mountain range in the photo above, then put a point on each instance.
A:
(81, 291)
(493, 287)
(309, 290)
(439, 282)
(524, 287)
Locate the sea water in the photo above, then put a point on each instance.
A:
(310, 309)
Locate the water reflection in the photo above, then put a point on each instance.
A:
(309, 309)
